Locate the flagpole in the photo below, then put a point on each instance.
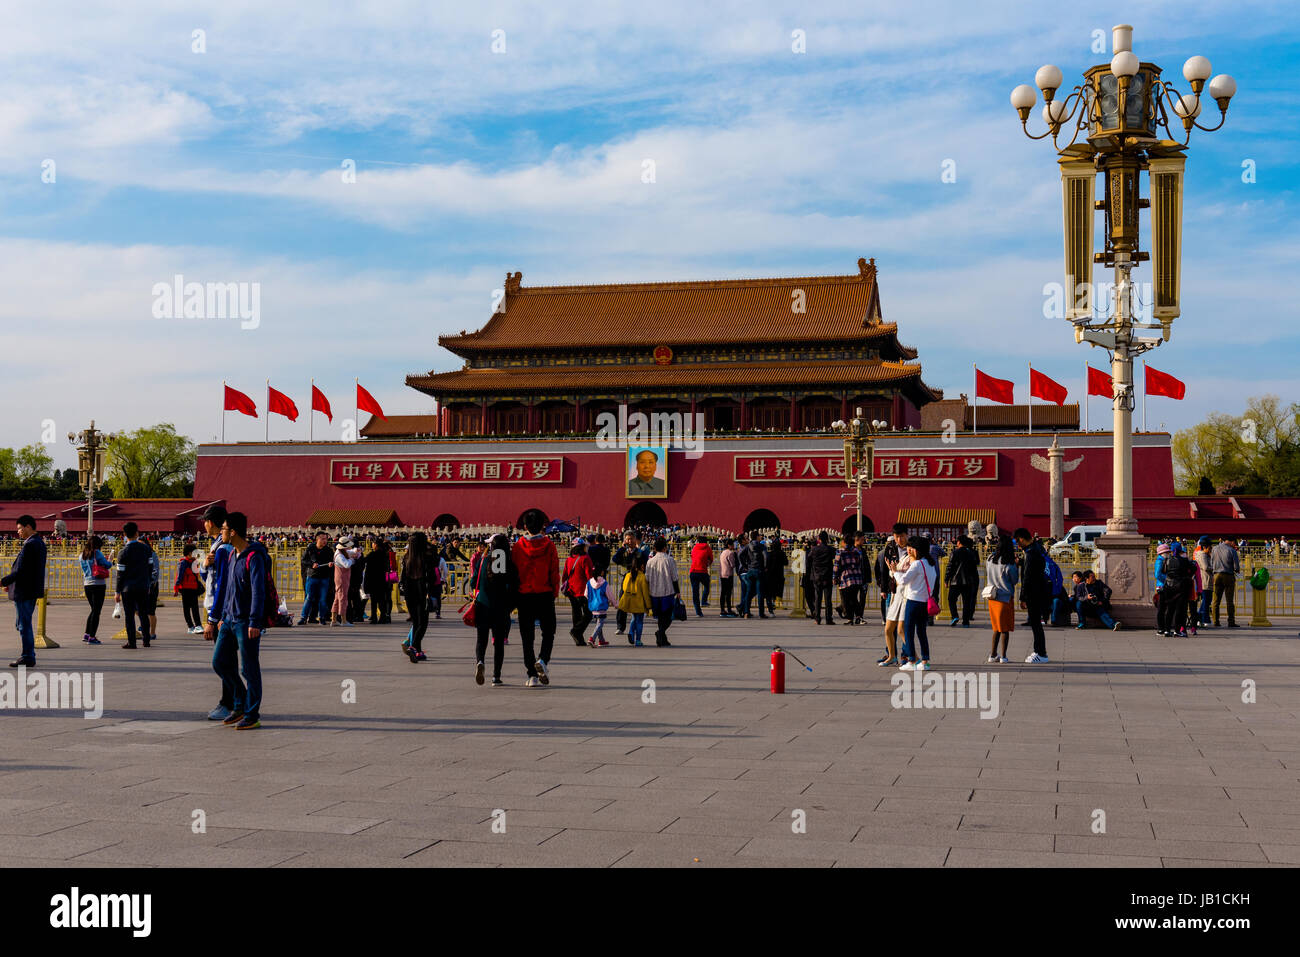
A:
(268, 410)
(223, 411)
(356, 412)
(1144, 395)
(311, 413)
(1087, 392)
(1030, 398)
(974, 399)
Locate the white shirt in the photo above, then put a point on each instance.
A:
(917, 582)
(896, 604)
(660, 574)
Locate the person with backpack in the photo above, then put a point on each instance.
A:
(577, 572)
(1175, 583)
(537, 563)
(134, 580)
(635, 600)
(95, 570)
(188, 587)
(1035, 592)
(496, 591)
(598, 599)
(242, 601)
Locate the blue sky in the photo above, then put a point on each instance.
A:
(225, 166)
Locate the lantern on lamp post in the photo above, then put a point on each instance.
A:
(92, 452)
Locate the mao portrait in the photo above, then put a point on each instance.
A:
(647, 472)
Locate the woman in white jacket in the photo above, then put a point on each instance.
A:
(344, 556)
(915, 586)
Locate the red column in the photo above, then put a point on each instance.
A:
(579, 416)
(530, 416)
(483, 420)
(898, 415)
(744, 415)
(844, 408)
(691, 424)
(794, 414)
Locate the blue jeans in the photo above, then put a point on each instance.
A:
(314, 606)
(1205, 605)
(634, 630)
(1091, 609)
(1061, 611)
(751, 589)
(915, 618)
(234, 646)
(23, 611)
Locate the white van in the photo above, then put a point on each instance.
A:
(1085, 536)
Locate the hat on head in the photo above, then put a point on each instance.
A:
(1203, 540)
(1163, 548)
(580, 541)
(346, 541)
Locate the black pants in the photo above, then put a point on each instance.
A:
(1172, 612)
(699, 583)
(822, 599)
(1038, 610)
(850, 597)
(536, 607)
(94, 595)
(136, 603)
(581, 617)
(773, 588)
(724, 596)
(190, 605)
(497, 624)
(663, 618)
(966, 595)
(418, 602)
(381, 603)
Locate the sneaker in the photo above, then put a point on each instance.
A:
(923, 666)
(532, 682)
(543, 674)
(1116, 627)
(953, 623)
(886, 662)
(421, 656)
(882, 659)
(602, 643)
(993, 659)
(1004, 660)
(478, 673)
(219, 713)
(498, 683)
(630, 639)
(591, 642)
(907, 666)
(234, 717)
(302, 621)
(248, 724)
(411, 653)
(1037, 659)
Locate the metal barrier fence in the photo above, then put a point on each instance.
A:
(64, 579)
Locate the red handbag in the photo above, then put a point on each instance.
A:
(932, 603)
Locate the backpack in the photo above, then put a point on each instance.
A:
(271, 607)
(1055, 580)
(597, 597)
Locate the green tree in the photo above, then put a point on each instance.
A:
(27, 472)
(152, 462)
(1252, 453)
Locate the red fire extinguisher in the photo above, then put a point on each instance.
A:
(778, 669)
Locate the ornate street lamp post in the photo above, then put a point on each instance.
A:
(859, 454)
(1119, 125)
(91, 453)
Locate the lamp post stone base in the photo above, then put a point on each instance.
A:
(1122, 564)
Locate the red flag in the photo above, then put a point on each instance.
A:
(367, 402)
(999, 390)
(236, 401)
(1041, 387)
(320, 404)
(280, 404)
(1100, 383)
(1162, 383)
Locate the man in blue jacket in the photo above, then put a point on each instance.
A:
(214, 571)
(240, 603)
(27, 577)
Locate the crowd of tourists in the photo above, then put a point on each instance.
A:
(228, 594)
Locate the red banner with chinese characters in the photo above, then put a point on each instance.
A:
(891, 467)
(367, 470)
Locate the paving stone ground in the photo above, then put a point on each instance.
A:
(1152, 732)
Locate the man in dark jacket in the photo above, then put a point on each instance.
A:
(598, 552)
(821, 572)
(774, 575)
(755, 565)
(134, 580)
(625, 558)
(1035, 592)
(962, 578)
(27, 579)
(318, 571)
(241, 605)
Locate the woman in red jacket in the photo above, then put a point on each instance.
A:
(701, 559)
(573, 583)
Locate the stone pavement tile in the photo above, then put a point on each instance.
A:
(1202, 850)
(1250, 835)
(687, 792)
(666, 849)
(1192, 862)
(798, 847)
(252, 818)
(594, 853)
(1282, 853)
(991, 857)
(57, 846)
(30, 863)
(717, 825)
(366, 848)
(904, 833)
(178, 856)
(1265, 818)
(1070, 823)
(543, 802)
(42, 821)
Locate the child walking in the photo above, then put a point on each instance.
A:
(598, 599)
(188, 587)
(635, 600)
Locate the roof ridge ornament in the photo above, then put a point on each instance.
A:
(867, 269)
(513, 279)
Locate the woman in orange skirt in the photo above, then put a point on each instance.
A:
(1001, 574)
